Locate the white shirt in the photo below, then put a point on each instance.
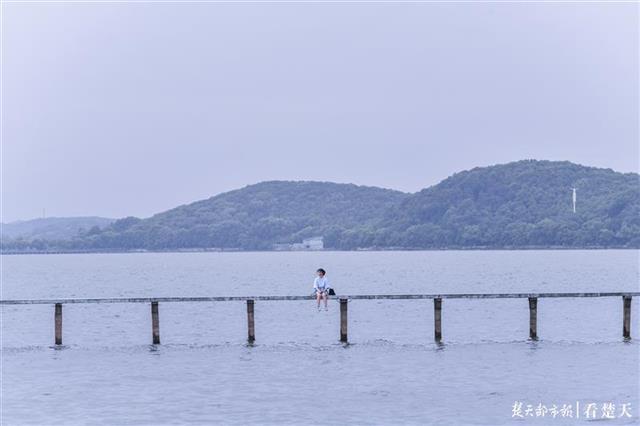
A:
(321, 284)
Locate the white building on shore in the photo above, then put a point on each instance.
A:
(313, 243)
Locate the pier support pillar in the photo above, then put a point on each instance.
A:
(58, 323)
(343, 320)
(155, 323)
(437, 319)
(626, 317)
(250, 322)
(533, 318)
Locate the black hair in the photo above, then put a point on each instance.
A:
(322, 271)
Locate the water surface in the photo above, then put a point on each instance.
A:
(297, 373)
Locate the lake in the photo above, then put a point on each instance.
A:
(392, 372)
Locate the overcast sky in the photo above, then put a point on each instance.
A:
(131, 109)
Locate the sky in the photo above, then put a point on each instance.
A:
(118, 109)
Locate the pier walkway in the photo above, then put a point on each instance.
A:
(344, 301)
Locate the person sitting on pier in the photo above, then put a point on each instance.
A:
(321, 287)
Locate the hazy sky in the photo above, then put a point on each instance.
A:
(130, 109)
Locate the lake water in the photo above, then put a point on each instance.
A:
(297, 373)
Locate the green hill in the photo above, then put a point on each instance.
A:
(255, 217)
(521, 204)
(526, 203)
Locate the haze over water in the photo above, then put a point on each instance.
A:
(392, 372)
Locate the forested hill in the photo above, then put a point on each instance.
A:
(526, 203)
(256, 217)
(521, 204)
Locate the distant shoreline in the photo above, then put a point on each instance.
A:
(521, 205)
(387, 249)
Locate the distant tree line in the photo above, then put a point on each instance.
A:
(516, 205)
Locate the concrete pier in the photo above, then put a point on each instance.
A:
(58, 323)
(343, 319)
(155, 324)
(344, 300)
(437, 319)
(251, 327)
